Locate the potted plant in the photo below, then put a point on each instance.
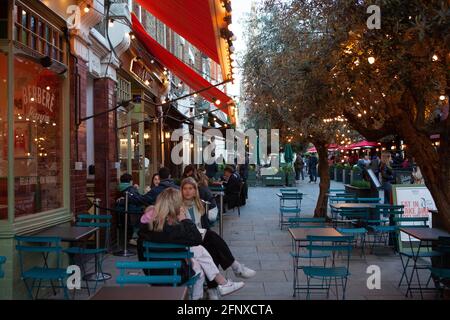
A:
(251, 179)
(356, 174)
(290, 175)
(362, 189)
(332, 168)
(338, 176)
(347, 173)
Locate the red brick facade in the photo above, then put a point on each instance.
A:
(78, 198)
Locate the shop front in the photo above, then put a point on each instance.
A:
(34, 128)
(139, 122)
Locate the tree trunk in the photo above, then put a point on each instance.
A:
(435, 167)
(322, 200)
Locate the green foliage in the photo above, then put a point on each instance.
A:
(362, 184)
(356, 169)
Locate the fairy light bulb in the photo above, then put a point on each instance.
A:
(371, 60)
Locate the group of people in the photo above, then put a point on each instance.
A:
(310, 162)
(177, 214)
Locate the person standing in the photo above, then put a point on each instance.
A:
(387, 176)
(299, 164)
(313, 169)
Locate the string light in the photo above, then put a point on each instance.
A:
(435, 58)
(371, 60)
(87, 8)
(442, 98)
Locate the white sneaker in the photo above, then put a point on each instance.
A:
(133, 242)
(230, 287)
(213, 294)
(244, 272)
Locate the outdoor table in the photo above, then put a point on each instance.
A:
(424, 235)
(354, 205)
(219, 190)
(67, 233)
(300, 235)
(141, 293)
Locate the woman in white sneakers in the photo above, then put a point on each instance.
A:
(167, 223)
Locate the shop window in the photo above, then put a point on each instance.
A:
(38, 162)
(3, 137)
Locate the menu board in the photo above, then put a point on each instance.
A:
(417, 200)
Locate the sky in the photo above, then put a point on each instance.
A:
(240, 8)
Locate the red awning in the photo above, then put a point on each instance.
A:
(179, 68)
(364, 144)
(312, 150)
(191, 19)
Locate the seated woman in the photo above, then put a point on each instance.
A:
(216, 246)
(167, 223)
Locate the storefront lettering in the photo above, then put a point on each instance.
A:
(34, 115)
(40, 96)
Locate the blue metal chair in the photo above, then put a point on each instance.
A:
(368, 200)
(290, 198)
(2, 262)
(342, 244)
(103, 223)
(287, 213)
(440, 273)
(346, 216)
(382, 226)
(307, 222)
(170, 252)
(174, 279)
(47, 247)
(358, 234)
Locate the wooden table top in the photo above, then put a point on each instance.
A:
(141, 292)
(425, 234)
(301, 234)
(66, 233)
(353, 205)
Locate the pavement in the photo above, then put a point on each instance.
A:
(256, 240)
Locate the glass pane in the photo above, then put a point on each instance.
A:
(38, 164)
(33, 24)
(24, 18)
(3, 138)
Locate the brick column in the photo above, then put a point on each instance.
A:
(105, 140)
(78, 199)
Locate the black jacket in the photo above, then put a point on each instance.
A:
(211, 170)
(206, 195)
(154, 193)
(136, 201)
(185, 233)
(387, 174)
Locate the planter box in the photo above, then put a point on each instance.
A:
(251, 180)
(347, 176)
(331, 173)
(362, 193)
(278, 179)
(338, 174)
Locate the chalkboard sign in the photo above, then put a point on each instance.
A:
(374, 178)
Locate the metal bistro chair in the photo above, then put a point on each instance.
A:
(359, 234)
(383, 226)
(307, 222)
(368, 200)
(2, 262)
(409, 253)
(287, 213)
(47, 247)
(441, 274)
(290, 195)
(331, 245)
(170, 252)
(173, 279)
(102, 222)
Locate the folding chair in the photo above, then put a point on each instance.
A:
(368, 200)
(287, 213)
(358, 234)
(103, 223)
(441, 273)
(171, 252)
(336, 271)
(173, 279)
(307, 222)
(383, 227)
(2, 262)
(47, 247)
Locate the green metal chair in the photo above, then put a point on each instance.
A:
(2, 262)
(383, 227)
(124, 278)
(441, 273)
(287, 213)
(359, 234)
(339, 268)
(368, 200)
(46, 247)
(307, 222)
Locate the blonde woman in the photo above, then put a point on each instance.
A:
(387, 176)
(166, 222)
(216, 246)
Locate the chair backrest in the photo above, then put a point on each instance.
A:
(307, 223)
(443, 245)
(103, 222)
(354, 213)
(368, 200)
(43, 245)
(388, 210)
(174, 279)
(165, 251)
(288, 190)
(343, 244)
(2, 262)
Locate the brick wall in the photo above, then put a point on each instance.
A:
(78, 200)
(105, 140)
